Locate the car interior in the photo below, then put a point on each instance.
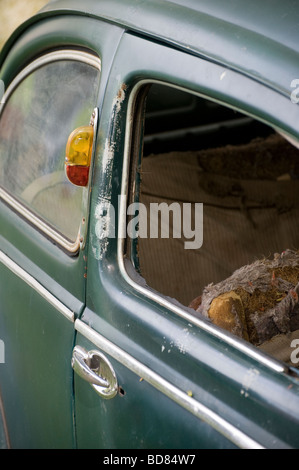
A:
(246, 177)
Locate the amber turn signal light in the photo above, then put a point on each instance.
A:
(78, 155)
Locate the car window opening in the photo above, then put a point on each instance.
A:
(218, 229)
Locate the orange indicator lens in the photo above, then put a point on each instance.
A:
(78, 155)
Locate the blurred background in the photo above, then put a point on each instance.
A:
(15, 12)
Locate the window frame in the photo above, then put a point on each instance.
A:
(127, 272)
(71, 247)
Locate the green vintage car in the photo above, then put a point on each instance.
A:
(149, 176)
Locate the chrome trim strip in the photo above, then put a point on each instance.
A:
(244, 348)
(41, 290)
(83, 231)
(180, 397)
(68, 54)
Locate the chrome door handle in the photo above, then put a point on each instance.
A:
(95, 368)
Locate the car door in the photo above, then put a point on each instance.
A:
(157, 376)
(176, 381)
(43, 220)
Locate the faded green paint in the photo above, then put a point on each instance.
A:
(260, 40)
(36, 380)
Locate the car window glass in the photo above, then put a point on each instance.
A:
(217, 221)
(34, 127)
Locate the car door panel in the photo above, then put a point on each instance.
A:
(226, 397)
(42, 382)
(144, 410)
(228, 390)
